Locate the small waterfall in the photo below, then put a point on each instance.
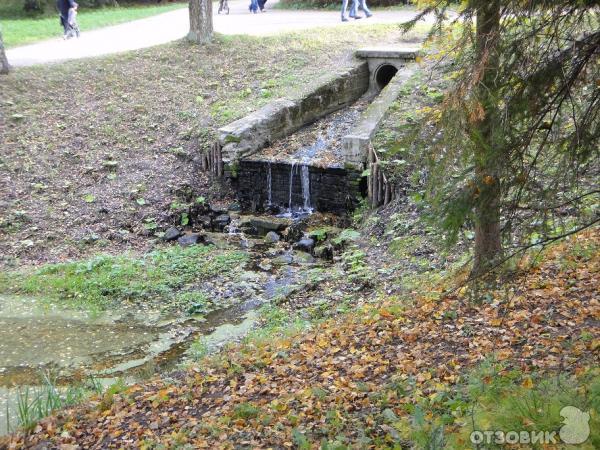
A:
(306, 188)
(269, 187)
(234, 227)
(291, 186)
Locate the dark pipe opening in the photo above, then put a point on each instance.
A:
(384, 75)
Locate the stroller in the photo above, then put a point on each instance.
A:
(71, 25)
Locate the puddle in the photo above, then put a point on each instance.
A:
(130, 343)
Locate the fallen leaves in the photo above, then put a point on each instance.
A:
(330, 380)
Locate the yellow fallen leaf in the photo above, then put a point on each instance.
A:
(527, 383)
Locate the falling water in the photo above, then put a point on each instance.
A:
(291, 185)
(269, 189)
(234, 226)
(306, 187)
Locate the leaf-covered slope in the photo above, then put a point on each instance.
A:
(361, 378)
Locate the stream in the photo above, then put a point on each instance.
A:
(40, 336)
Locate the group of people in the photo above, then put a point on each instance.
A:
(68, 17)
(354, 7)
(68, 13)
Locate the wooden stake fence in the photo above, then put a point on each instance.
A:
(212, 160)
(380, 190)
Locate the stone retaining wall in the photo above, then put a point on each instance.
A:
(357, 143)
(332, 189)
(284, 116)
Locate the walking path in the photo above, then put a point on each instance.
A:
(174, 25)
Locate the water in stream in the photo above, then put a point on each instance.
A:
(290, 202)
(270, 186)
(37, 335)
(306, 188)
(318, 144)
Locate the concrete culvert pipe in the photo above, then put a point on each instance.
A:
(384, 75)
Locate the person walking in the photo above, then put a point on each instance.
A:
(63, 7)
(253, 6)
(352, 10)
(362, 4)
(354, 7)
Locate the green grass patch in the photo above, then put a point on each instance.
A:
(20, 29)
(496, 398)
(163, 274)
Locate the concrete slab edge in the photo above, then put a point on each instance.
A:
(356, 144)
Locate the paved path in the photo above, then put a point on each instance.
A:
(174, 25)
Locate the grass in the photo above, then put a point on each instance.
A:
(509, 400)
(35, 403)
(491, 397)
(104, 279)
(19, 29)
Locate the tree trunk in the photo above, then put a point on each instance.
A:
(201, 26)
(4, 66)
(488, 158)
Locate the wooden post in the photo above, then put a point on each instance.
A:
(370, 177)
(381, 186)
(215, 161)
(387, 194)
(375, 199)
(220, 159)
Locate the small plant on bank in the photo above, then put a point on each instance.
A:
(199, 349)
(246, 411)
(35, 403)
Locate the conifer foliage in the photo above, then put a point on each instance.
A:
(517, 140)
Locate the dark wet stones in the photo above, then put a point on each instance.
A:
(271, 237)
(262, 225)
(215, 210)
(305, 245)
(265, 265)
(204, 221)
(171, 234)
(296, 230)
(324, 251)
(221, 221)
(283, 260)
(190, 239)
(303, 258)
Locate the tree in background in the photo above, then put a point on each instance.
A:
(516, 153)
(201, 26)
(4, 66)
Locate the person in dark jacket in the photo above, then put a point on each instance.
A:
(63, 7)
(261, 5)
